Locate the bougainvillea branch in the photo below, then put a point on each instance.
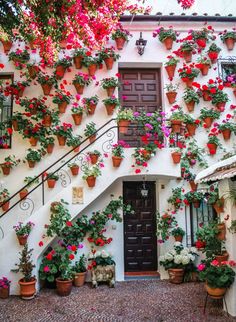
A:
(186, 4)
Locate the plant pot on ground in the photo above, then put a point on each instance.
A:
(80, 271)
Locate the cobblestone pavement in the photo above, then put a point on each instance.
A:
(131, 301)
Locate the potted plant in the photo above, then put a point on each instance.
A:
(217, 276)
(46, 82)
(231, 195)
(91, 63)
(186, 49)
(111, 103)
(118, 153)
(29, 181)
(61, 66)
(109, 56)
(190, 98)
(80, 271)
(176, 155)
(74, 168)
(9, 162)
(6, 41)
(90, 103)
(178, 261)
(232, 228)
(4, 196)
(178, 233)
(229, 38)
(74, 142)
(165, 223)
(23, 231)
(188, 73)
(17, 121)
(77, 113)
(19, 57)
(176, 199)
(52, 178)
(203, 64)
(48, 143)
(34, 156)
(65, 279)
(90, 131)
(120, 36)
(110, 85)
(26, 266)
(63, 132)
(219, 99)
(78, 57)
(170, 66)
(214, 199)
(226, 128)
(213, 52)
(143, 154)
(171, 92)
(80, 81)
(213, 143)
(191, 124)
(201, 37)
(4, 287)
(166, 36)
(33, 70)
(91, 173)
(194, 197)
(176, 120)
(94, 156)
(62, 99)
(123, 118)
(208, 115)
(16, 88)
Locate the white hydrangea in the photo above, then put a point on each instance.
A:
(184, 252)
(192, 257)
(185, 260)
(193, 250)
(168, 257)
(178, 259)
(162, 258)
(172, 252)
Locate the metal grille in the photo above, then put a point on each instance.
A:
(226, 67)
(5, 112)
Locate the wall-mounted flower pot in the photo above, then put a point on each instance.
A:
(222, 258)
(92, 69)
(77, 148)
(178, 238)
(33, 71)
(50, 148)
(15, 125)
(196, 204)
(77, 118)
(6, 46)
(22, 239)
(27, 289)
(176, 126)
(189, 82)
(171, 96)
(93, 158)
(21, 92)
(201, 42)
(110, 108)
(206, 96)
(47, 120)
(120, 42)
(109, 62)
(213, 55)
(168, 42)
(234, 92)
(110, 91)
(91, 180)
(191, 129)
(187, 55)
(46, 88)
(222, 231)
(78, 62)
(4, 292)
(190, 106)
(74, 170)
(60, 71)
(212, 147)
(51, 183)
(6, 206)
(226, 134)
(176, 275)
(193, 185)
(91, 109)
(220, 107)
(208, 121)
(116, 161)
(205, 69)
(62, 107)
(61, 140)
(23, 193)
(230, 43)
(176, 157)
(5, 169)
(123, 126)
(31, 163)
(170, 69)
(79, 279)
(219, 206)
(92, 138)
(33, 141)
(79, 88)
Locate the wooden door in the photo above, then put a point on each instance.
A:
(141, 91)
(140, 241)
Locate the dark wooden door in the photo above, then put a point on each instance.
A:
(140, 241)
(141, 91)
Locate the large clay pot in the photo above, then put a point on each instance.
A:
(109, 62)
(78, 62)
(120, 43)
(168, 42)
(116, 161)
(187, 55)
(171, 97)
(92, 69)
(110, 91)
(230, 43)
(74, 170)
(91, 109)
(176, 275)
(176, 126)
(208, 121)
(60, 71)
(51, 183)
(170, 69)
(110, 108)
(91, 180)
(63, 287)
(79, 88)
(62, 107)
(46, 88)
(50, 148)
(216, 293)
(4, 292)
(176, 157)
(6, 46)
(22, 239)
(79, 279)
(93, 158)
(222, 231)
(27, 289)
(61, 140)
(226, 134)
(123, 126)
(23, 193)
(190, 106)
(191, 129)
(5, 169)
(222, 258)
(77, 118)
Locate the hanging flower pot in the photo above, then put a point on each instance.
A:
(77, 148)
(187, 55)
(46, 88)
(123, 126)
(168, 42)
(226, 134)
(15, 125)
(201, 42)
(33, 141)
(61, 140)
(208, 121)
(79, 88)
(6, 206)
(33, 70)
(74, 170)
(220, 106)
(191, 129)
(110, 108)
(196, 204)
(62, 107)
(22, 239)
(215, 292)
(92, 138)
(47, 120)
(222, 231)
(230, 43)
(93, 157)
(222, 258)
(77, 118)
(116, 161)
(5, 169)
(213, 55)
(31, 163)
(176, 157)
(110, 91)
(188, 81)
(23, 193)
(120, 43)
(205, 69)
(176, 126)
(193, 185)
(176, 275)
(27, 289)
(206, 96)
(92, 69)
(6, 46)
(171, 97)
(91, 108)
(50, 148)
(109, 62)
(178, 238)
(91, 180)
(219, 206)
(60, 71)
(212, 147)
(78, 61)
(51, 183)
(190, 106)
(170, 69)
(21, 91)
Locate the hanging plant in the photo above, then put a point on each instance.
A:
(19, 57)
(124, 118)
(78, 57)
(176, 199)
(188, 73)
(194, 197)
(203, 64)
(229, 38)
(203, 36)
(165, 223)
(9, 162)
(227, 127)
(171, 92)
(120, 36)
(34, 156)
(63, 132)
(61, 66)
(16, 88)
(190, 98)
(90, 131)
(186, 50)
(23, 231)
(90, 173)
(47, 82)
(143, 154)
(80, 81)
(191, 124)
(90, 104)
(91, 63)
(213, 52)
(111, 103)
(109, 56)
(213, 142)
(62, 99)
(170, 66)
(207, 116)
(74, 142)
(176, 119)
(166, 36)
(110, 84)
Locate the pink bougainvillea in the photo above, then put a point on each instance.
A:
(186, 4)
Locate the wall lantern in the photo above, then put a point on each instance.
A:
(140, 44)
(144, 190)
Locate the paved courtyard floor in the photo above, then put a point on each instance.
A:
(131, 301)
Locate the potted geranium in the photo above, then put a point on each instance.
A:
(201, 37)
(213, 143)
(118, 153)
(52, 178)
(94, 156)
(203, 64)
(61, 66)
(91, 103)
(48, 143)
(90, 131)
(229, 38)
(16, 88)
(26, 266)
(143, 154)
(213, 52)
(77, 113)
(171, 92)
(208, 115)
(80, 81)
(165, 223)
(110, 85)
(214, 199)
(29, 181)
(186, 50)
(4, 196)
(170, 66)
(4, 287)
(177, 154)
(46, 82)
(176, 199)
(219, 99)
(62, 98)
(109, 56)
(74, 142)
(123, 118)
(9, 162)
(19, 57)
(34, 156)
(194, 197)
(33, 70)
(78, 56)
(23, 231)
(111, 103)
(80, 271)
(63, 132)
(176, 120)
(6, 41)
(191, 124)
(190, 98)
(178, 233)
(120, 36)
(91, 173)
(166, 36)
(226, 128)
(188, 73)
(65, 279)
(17, 121)
(91, 63)
(74, 168)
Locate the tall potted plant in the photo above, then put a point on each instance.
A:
(166, 36)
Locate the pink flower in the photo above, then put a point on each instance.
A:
(201, 267)
(215, 263)
(46, 269)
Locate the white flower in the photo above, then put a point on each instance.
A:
(168, 257)
(184, 252)
(177, 244)
(178, 259)
(104, 254)
(162, 258)
(172, 252)
(192, 257)
(193, 250)
(185, 260)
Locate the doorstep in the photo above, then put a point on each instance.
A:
(148, 275)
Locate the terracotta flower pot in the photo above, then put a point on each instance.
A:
(77, 148)
(4, 292)
(60, 72)
(219, 208)
(27, 289)
(15, 125)
(171, 97)
(110, 91)
(176, 275)
(92, 138)
(74, 170)
(187, 55)
(222, 258)
(109, 62)
(110, 108)
(6, 46)
(196, 204)
(50, 148)
(22, 239)
(193, 185)
(206, 96)
(23, 193)
(92, 69)
(216, 293)
(208, 121)
(63, 44)
(176, 126)
(33, 141)
(178, 238)
(61, 140)
(78, 62)
(190, 106)
(31, 163)
(116, 161)
(123, 126)
(46, 88)
(213, 55)
(47, 120)
(168, 42)
(189, 82)
(79, 279)
(205, 69)
(176, 157)
(230, 43)
(220, 107)
(191, 129)
(91, 109)
(170, 69)
(21, 92)
(226, 134)
(5, 169)
(33, 71)
(6, 206)
(91, 180)
(79, 88)
(222, 231)
(51, 183)
(212, 147)
(77, 118)
(62, 107)
(93, 158)
(120, 43)
(234, 92)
